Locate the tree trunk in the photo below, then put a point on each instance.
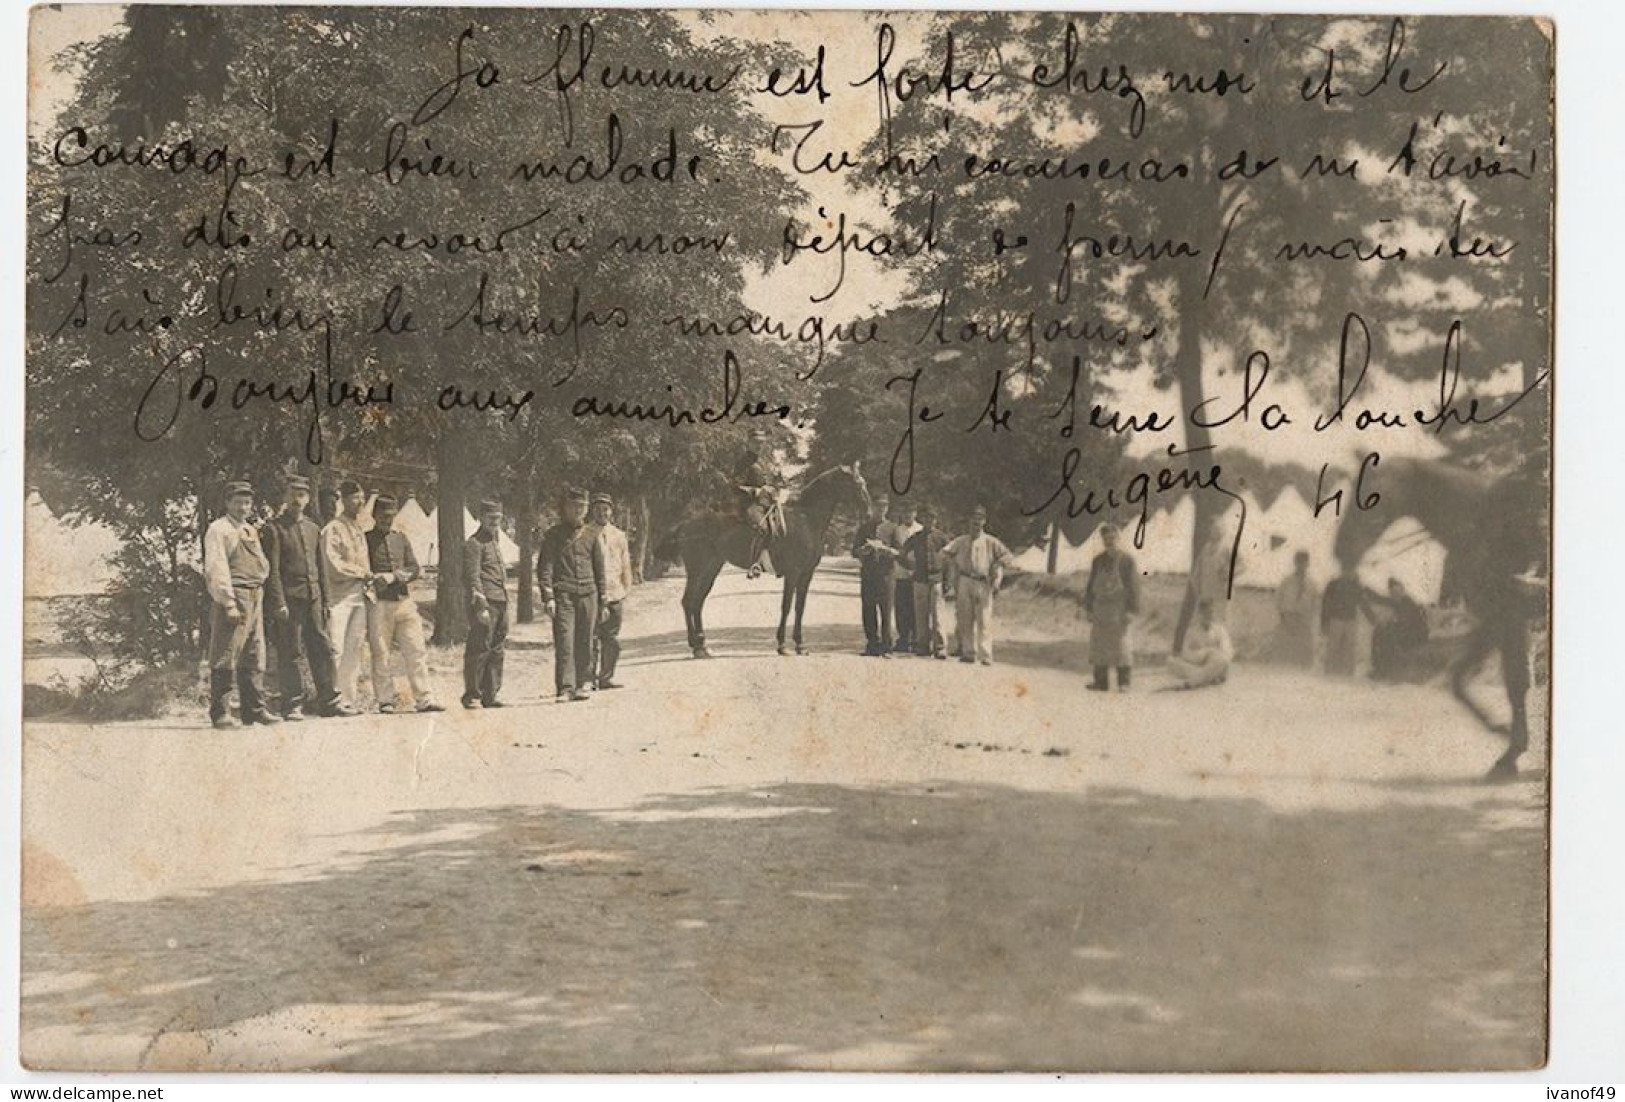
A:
(1053, 558)
(451, 489)
(524, 519)
(1192, 393)
(641, 542)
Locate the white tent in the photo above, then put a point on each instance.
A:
(431, 555)
(418, 528)
(1167, 542)
(1406, 551)
(64, 560)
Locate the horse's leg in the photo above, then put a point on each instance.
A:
(691, 616)
(707, 579)
(784, 612)
(1515, 677)
(1479, 645)
(801, 608)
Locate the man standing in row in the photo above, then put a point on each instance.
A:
(344, 555)
(922, 554)
(392, 617)
(485, 582)
(235, 568)
(903, 577)
(974, 565)
(617, 585)
(570, 573)
(296, 594)
(875, 554)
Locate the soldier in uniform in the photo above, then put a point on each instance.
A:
(902, 531)
(923, 556)
(485, 585)
(296, 595)
(757, 480)
(875, 555)
(570, 573)
(617, 585)
(392, 618)
(235, 568)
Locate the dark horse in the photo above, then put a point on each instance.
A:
(708, 541)
(1490, 545)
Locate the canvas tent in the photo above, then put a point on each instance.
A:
(61, 559)
(430, 555)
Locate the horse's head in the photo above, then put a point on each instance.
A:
(855, 473)
(1359, 530)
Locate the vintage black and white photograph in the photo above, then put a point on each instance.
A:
(731, 541)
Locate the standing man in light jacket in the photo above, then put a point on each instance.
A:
(392, 618)
(235, 568)
(349, 581)
(617, 585)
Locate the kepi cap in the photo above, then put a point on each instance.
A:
(349, 486)
(601, 498)
(239, 488)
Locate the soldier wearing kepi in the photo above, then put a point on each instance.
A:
(392, 618)
(570, 573)
(296, 600)
(235, 568)
(617, 585)
(485, 584)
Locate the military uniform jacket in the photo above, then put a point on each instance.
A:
(484, 572)
(570, 562)
(294, 546)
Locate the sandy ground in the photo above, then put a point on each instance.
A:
(826, 862)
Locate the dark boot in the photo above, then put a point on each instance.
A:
(1099, 684)
(1125, 677)
(220, 682)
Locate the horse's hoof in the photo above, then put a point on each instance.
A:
(1504, 769)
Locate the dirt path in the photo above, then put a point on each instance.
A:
(766, 862)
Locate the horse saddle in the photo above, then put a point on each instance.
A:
(774, 517)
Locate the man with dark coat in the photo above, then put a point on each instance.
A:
(875, 555)
(570, 574)
(296, 597)
(485, 584)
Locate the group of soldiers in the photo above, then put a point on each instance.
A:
(909, 569)
(329, 593)
(584, 573)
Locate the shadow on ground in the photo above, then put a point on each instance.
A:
(820, 926)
